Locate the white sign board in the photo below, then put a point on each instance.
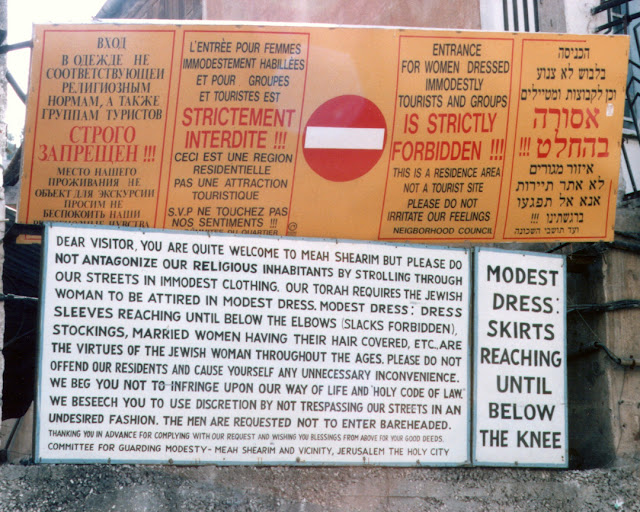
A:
(520, 360)
(196, 348)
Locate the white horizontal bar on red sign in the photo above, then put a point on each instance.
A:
(332, 137)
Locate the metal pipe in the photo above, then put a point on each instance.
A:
(505, 15)
(626, 160)
(9, 297)
(16, 87)
(607, 5)
(625, 19)
(17, 46)
(632, 110)
(628, 362)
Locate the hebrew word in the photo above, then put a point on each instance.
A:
(527, 231)
(594, 73)
(527, 186)
(534, 202)
(575, 53)
(565, 218)
(591, 94)
(566, 201)
(533, 92)
(576, 119)
(571, 185)
(578, 146)
(590, 201)
(577, 168)
(547, 73)
(546, 168)
(566, 73)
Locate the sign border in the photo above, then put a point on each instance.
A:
(46, 247)
(516, 464)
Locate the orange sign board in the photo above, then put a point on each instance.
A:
(365, 133)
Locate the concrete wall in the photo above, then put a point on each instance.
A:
(403, 13)
(551, 15)
(591, 441)
(3, 146)
(235, 489)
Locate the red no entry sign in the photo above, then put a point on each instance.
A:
(344, 138)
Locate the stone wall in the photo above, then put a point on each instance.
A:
(279, 489)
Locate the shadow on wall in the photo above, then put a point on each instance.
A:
(21, 277)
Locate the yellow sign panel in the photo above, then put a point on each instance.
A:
(366, 133)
